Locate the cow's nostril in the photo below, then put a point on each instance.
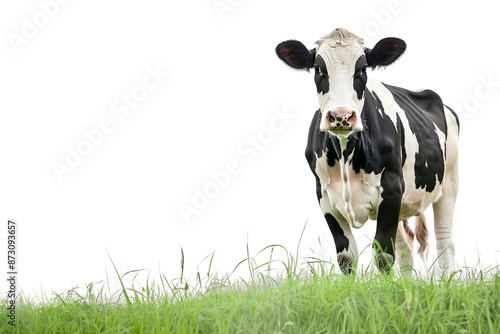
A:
(341, 118)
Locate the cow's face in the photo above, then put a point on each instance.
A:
(340, 61)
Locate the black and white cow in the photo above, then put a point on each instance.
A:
(377, 151)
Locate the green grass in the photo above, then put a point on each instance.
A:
(314, 300)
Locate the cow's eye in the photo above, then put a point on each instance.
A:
(318, 71)
(361, 72)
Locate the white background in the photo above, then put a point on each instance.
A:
(224, 86)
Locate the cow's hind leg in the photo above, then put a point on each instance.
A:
(444, 207)
(404, 247)
(347, 250)
(443, 221)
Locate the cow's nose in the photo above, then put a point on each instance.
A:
(341, 118)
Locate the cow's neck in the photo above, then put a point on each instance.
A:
(345, 166)
(350, 150)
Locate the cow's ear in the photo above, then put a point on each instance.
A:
(296, 55)
(385, 52)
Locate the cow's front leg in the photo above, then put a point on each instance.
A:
(347, 250)
(387, 225)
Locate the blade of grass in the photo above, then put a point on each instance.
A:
(124, 290)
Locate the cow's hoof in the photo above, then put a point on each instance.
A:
(384, 262)
(345, 263)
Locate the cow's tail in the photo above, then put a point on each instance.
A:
(422, 233)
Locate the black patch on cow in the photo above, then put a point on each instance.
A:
(295, 54)
(402, 134)
(332, 155)
(318, 142)
(359, 154)
(379, 138)
(423, 110)
(315, 141)
(341, 241)
(360, 76)
(321, 76)
(385, 52)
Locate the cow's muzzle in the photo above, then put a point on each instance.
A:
(341, 120)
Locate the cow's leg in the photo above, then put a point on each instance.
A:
(443, 209)
(443, 224)
(347, 250)
(443, 220)
(345, 244)
(387, 221)
(404, 247)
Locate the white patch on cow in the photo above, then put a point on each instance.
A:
(351, 198)
(380, 112)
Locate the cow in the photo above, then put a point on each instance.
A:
(377, 151)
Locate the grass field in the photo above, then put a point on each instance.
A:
(299, 301)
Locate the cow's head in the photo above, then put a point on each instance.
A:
(340, 61)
